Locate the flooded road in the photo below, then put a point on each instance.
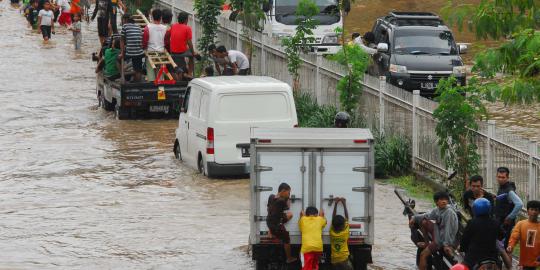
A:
(81, 190)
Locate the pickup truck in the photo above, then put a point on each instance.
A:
(320, 164)
(133, 100)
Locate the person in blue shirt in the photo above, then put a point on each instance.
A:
(507, 203)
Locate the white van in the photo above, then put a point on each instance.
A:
(217, 115)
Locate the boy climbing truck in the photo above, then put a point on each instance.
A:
(322, 167)
(116, 92)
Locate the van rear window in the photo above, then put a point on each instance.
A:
(253, 107)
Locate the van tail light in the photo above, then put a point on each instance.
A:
(210, 141)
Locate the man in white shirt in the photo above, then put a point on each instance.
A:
(154, 39)
(237, 60)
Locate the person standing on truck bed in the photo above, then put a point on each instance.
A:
(154, 39)
(527, 233)
(278, 215)
(102, 10)
(476, 191)
(507, 204)
(178, 41)
(132, 45)
(236, 60)
(339, 237)
(311, 225)
(446, 221)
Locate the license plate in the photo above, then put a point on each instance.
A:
(428, 85)
(245, 152)
(162, 108)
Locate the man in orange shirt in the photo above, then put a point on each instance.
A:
(527, 233)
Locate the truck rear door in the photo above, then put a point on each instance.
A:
(344, 174)
(272, 169)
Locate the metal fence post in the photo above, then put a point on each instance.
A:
(238, 41)
(264, 39)
(382, 90)
(533, 152)
(490, 177)
(318, 87)
(416, 103)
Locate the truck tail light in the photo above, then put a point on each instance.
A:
(264, 141)
(210, 141)
(360, 141)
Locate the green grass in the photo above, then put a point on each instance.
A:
(415, 189)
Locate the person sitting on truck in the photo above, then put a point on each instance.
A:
(154, 33)
(479, 240)
(166, 18)
(476, 191)
(278, 214)
(339, 237)
(110, 62)
(178, 41)
(311, 226)
(236, 59)
(445, 233)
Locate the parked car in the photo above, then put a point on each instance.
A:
(319, 164)
(217, 115)
(415, 51)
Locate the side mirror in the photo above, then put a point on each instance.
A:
(463, 48)
(382, 47)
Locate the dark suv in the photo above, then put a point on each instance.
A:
(415, 50)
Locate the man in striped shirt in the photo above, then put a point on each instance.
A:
(132, 49)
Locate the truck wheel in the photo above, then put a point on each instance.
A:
(177, 152)
(120, 114)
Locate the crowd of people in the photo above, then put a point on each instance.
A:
(490, 236)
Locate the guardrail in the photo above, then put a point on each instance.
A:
(386, 108)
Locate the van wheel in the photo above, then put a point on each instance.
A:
(176, 150)
(200, 166)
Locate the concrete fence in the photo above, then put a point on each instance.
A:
(386, 108)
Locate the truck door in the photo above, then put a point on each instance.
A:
(274, 168)
(344, 174)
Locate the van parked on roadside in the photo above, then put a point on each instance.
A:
(216, 117)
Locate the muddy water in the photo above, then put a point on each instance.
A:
(80, 190)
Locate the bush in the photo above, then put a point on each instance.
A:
(311, 114)
(392, 155)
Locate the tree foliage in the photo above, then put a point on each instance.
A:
(457, 116)
(517, 59)
(298, 43)
(350, 85)
(207, 12)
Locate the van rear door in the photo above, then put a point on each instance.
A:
(344, 174)
(237, 113)
(276, 167)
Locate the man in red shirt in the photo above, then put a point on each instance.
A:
(178, 43)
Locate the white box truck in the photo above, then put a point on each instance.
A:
(319, 164)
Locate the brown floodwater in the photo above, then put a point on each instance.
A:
(81, 190)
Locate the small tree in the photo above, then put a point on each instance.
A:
(303, 35)
(457, 114)
(207, 13)
(350, 86)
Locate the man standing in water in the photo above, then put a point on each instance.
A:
(278, 215)
(508, 204)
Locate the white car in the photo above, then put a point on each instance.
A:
(217, 115)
